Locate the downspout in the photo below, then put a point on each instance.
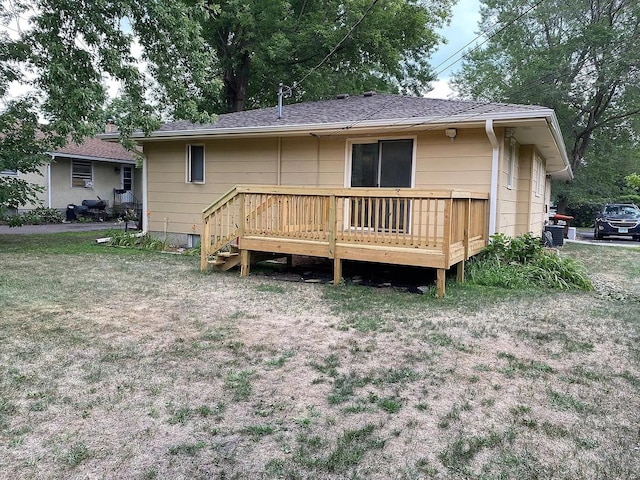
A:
(145, 205)
(493, 194)
(49, 183)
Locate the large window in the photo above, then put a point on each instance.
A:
(81, 174)
(195, 163)
(383, 164)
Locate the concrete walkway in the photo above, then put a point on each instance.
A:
(58, 228)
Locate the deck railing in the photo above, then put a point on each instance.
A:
(404, 226)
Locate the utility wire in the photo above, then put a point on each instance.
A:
(488, 37)
(338, 45)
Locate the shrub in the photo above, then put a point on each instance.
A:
(37, 216)
(120, 238)
(523, 262)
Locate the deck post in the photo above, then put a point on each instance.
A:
(460, 272)
(440, 281)
(205, 243)
(245, 262)
(467, 229)
(332, 226)
(337, 270)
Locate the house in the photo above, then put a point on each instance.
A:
(94, 169)
(383, 178)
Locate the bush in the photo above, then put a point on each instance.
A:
(119, 238)
(523, 262)
(37, 216)
(584, 214)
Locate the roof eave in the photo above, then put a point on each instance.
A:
(336, 127)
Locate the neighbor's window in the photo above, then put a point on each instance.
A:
(9, 172)
(195, 163)
(81, 173)
(512, 163)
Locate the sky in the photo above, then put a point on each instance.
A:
(462, 30)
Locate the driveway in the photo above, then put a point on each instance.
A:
(58, 228)
(620, 241)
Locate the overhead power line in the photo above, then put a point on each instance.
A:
(338, 45)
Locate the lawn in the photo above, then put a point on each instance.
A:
(125, 364)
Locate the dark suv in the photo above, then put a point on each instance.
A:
(618, 219)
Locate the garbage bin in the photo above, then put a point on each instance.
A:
(557, 234)
(71, 212)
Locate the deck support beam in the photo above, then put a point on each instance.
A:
(245, 262)
(460, 272)
(440, 281)
(337, 271)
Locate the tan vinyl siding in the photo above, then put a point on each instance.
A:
(463, 164)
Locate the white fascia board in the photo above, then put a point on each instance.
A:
(94, 159)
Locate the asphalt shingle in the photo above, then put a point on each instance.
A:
(353, 109)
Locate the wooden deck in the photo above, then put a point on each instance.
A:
(434, 229)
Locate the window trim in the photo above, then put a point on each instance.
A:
(188, 170)
(11, 173)
(87, 182)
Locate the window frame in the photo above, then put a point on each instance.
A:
(370, 140)
(189, 164)
(81, 177)
(541, 177)
(12, 173)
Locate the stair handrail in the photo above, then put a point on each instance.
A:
(221, 201)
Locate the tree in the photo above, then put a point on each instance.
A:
(579, 57)
(64, 56)
(260, 43)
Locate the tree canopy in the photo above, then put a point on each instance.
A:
(64, 51)
(202, 57)
(579, 57)
(260, 43)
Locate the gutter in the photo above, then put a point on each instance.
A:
(493, 194)
(337, 127)
(554, 126)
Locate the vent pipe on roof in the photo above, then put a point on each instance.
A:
(283, 92)
(370, 93)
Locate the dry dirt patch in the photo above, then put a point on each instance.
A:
(150, 369)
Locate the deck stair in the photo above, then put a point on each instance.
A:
(225, 260)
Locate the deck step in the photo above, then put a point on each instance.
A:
(227, 254)
(216, 262)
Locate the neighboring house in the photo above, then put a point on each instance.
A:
(87, 171)
(377, 144)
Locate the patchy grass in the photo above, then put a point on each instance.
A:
(135, 365)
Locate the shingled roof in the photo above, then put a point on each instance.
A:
(356, 110)
(96, 149)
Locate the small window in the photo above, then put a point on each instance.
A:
(512, 163)
(539, 185)
(195, 164)
(127, 178)
(9, 172)
(81, 174)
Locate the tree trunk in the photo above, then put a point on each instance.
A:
(235, 85)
